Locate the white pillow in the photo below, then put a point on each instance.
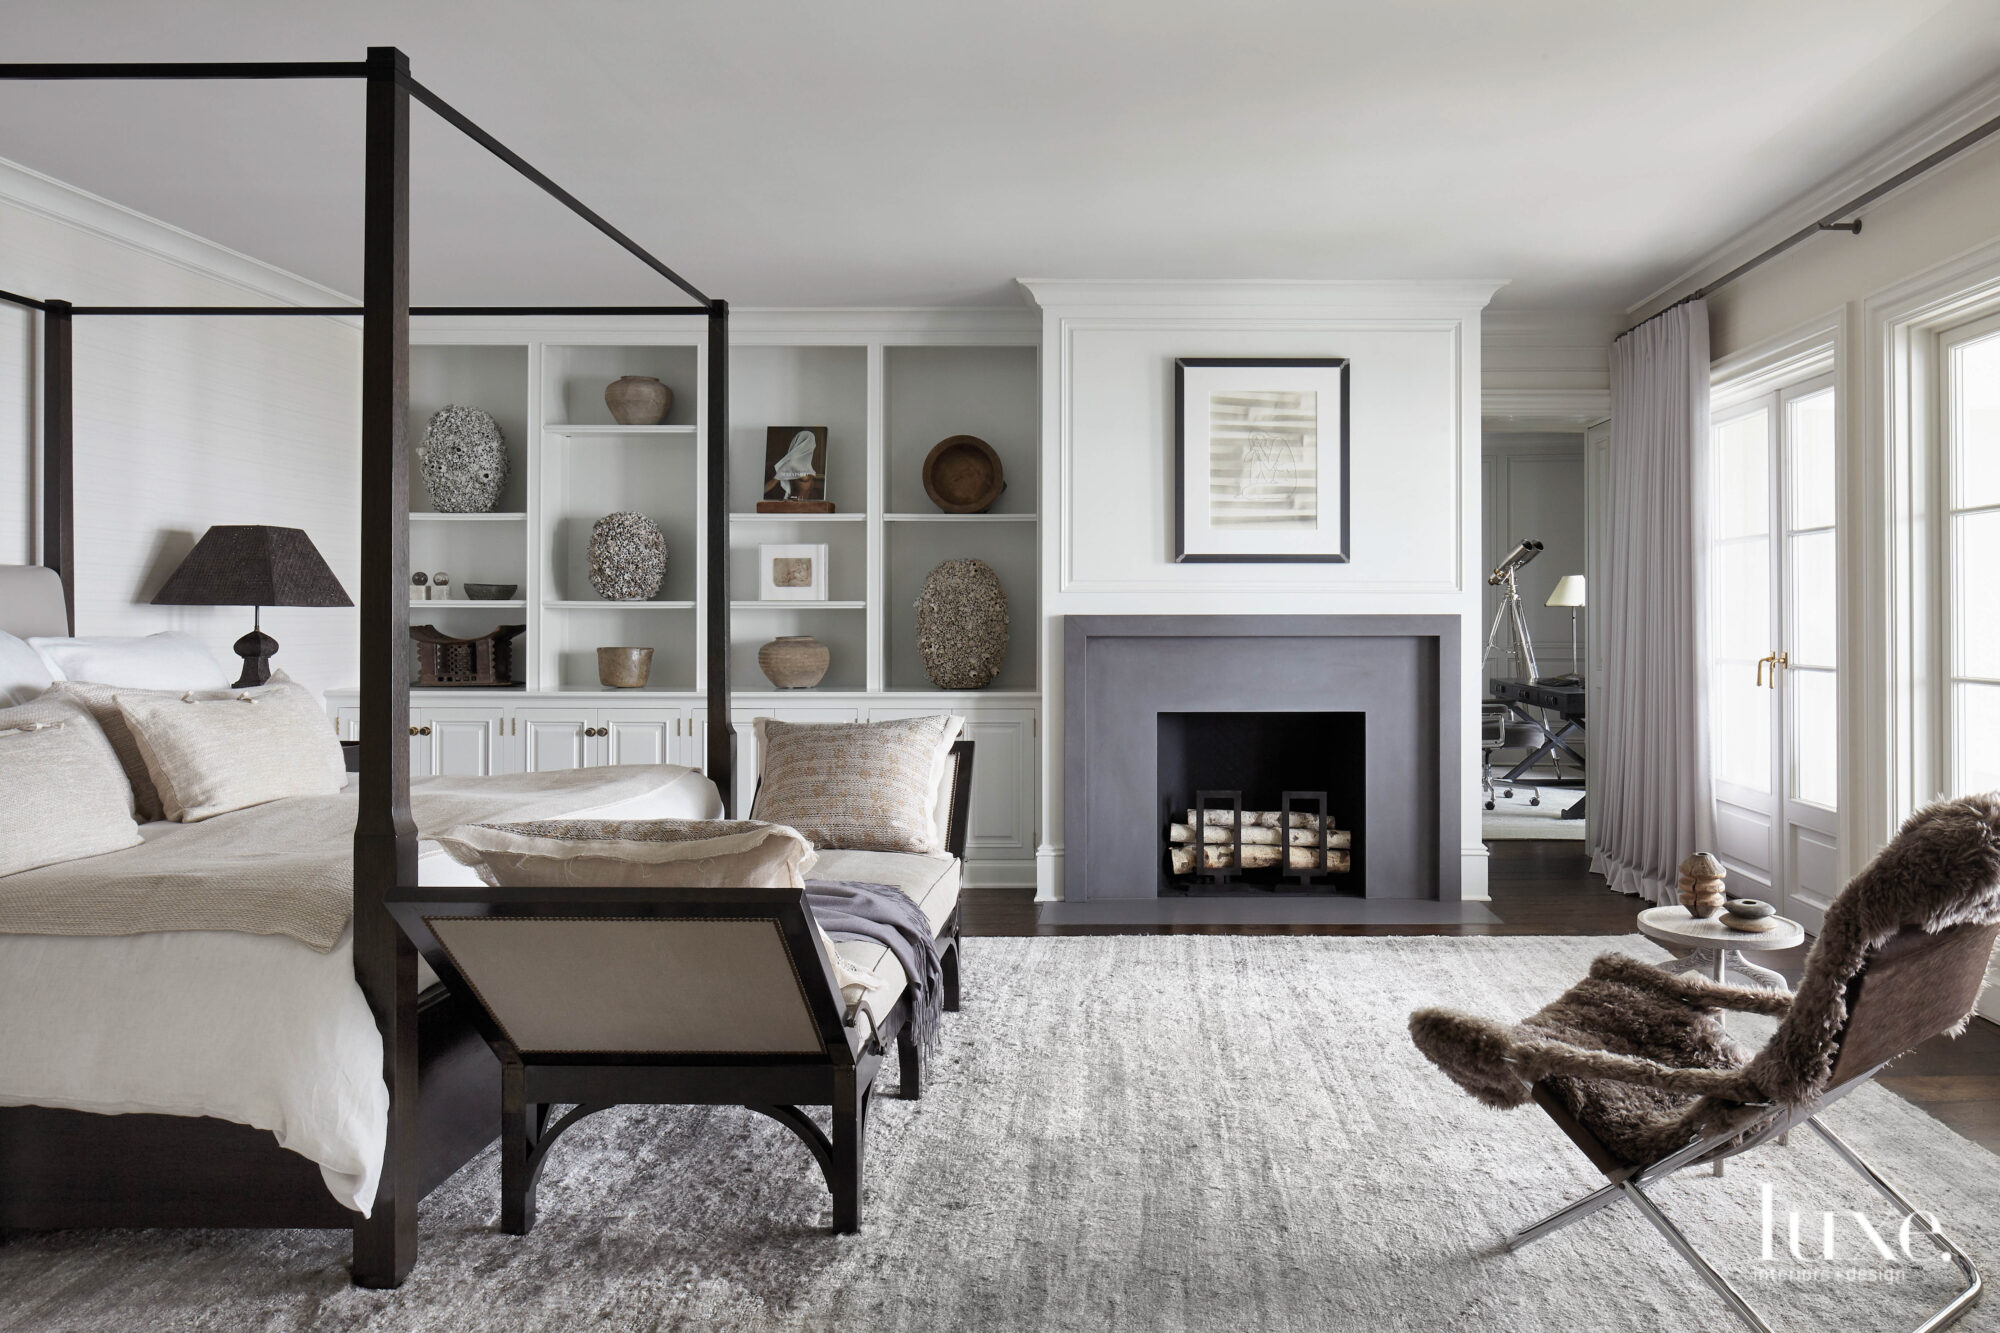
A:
(607, 853)
(941, 769)
(64, 794)
(166, 661)
(23, 673)
(207, 757)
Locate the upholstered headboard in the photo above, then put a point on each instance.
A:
(31, 601)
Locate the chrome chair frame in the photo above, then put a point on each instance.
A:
(1629, 1183)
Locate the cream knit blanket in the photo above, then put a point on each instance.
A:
(286, 867)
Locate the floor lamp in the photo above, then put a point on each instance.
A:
(1569, 593)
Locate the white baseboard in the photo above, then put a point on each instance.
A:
(998, 875)
(1048, 874)
(1472, 865)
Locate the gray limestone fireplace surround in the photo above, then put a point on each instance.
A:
(1377, 695)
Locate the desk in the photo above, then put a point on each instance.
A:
(1566, 702)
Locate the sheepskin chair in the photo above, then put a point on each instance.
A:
(1634, 1064)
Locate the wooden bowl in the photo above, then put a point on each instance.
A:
(962, 475)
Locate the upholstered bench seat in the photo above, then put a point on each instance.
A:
(932, 881)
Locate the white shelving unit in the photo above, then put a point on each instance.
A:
(886, 387)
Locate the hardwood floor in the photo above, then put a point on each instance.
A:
(1546, 888)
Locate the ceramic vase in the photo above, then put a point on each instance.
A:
(794, 662)
(624, 668)
(638, 400)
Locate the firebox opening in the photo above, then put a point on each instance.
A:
(1263, 756)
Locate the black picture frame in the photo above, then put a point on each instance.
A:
(1339, 551)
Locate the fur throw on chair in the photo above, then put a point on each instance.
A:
(1639, 1056)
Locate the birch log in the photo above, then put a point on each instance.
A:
(1255, 819)
(1257, 835)
(1255, 857)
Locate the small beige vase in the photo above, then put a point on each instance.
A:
(624, 668)
(794, 662)
(638, 400)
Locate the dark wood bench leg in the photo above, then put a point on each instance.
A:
(518, 1125)
(950, 962)
(850, 1125)
(911, 1063)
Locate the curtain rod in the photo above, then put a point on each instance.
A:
(1832, 222)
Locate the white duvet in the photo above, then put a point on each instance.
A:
(256, 1029)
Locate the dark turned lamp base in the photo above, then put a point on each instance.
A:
(256, 649)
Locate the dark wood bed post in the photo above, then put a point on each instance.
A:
(58, 450)
(721, 731)
(385, 844)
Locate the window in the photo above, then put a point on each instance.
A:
(1971, 438)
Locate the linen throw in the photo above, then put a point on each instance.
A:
(1652, 798)
(884, 915)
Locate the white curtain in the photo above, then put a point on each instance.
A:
(1651, 795)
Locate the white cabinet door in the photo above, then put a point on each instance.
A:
(640, 735)
(1000, 828)
(554, 739)
(460, 742)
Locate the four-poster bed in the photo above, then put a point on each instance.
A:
(73, 1168)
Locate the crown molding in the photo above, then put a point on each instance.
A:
(47, 197)
(1965, 113)
(1361, 296)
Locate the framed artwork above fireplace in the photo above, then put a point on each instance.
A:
(1260, 459)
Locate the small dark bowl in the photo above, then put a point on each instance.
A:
(490, 592)
(1750, 909)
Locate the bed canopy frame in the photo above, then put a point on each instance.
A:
(385, 843)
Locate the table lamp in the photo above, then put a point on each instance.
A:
(254, 566)
(1569, 593)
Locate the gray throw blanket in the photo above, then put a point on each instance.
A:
(846, 910)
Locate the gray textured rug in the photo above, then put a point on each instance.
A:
(1192, 1132)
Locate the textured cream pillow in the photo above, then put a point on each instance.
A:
(102, 701)
(51, 709)
(610, 853)
(64, 795)
(208, 756)
(856, 786)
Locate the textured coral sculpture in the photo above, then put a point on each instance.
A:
(628, 557)
(464, 461)
(962, 625)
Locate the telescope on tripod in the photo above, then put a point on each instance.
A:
(1520, 651)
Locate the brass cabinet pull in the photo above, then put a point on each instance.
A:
(425, 731)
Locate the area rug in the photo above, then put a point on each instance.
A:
(1145, 1133)
(1513, 819)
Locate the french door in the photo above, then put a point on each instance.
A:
(1774, 616)
(1970, 535)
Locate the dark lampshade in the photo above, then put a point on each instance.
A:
(252, 565)
(258, 566)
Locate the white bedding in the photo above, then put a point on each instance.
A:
(256, 1029)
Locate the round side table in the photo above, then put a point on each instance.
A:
(1716, 949)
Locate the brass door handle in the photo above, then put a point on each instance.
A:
(1770, 659)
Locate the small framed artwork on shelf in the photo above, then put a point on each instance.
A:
(795, 471)
(1260, 459)
(791, 572)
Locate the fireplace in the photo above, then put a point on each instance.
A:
(1364, 708)
(1255, 783)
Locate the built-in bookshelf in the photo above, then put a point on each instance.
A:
(885, 397)
(886, 387)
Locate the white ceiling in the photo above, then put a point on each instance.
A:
(925, 152)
